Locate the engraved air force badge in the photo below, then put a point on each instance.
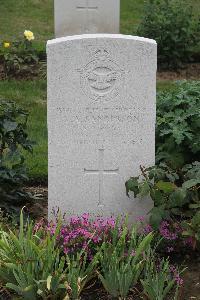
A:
(101, 78)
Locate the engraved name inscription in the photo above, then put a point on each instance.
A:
(87, 123)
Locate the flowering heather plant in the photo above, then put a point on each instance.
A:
(82, 232)
(169, 234)
(173, 238)
(170, 231)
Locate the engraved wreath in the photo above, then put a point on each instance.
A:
(101, 77)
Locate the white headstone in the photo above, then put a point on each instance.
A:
(86, 16)
(101, 121)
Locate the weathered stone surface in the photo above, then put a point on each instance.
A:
(101, 121)
(86, 16)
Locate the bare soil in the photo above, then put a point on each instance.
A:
(38, 208)
(190, 71)
(35, 71)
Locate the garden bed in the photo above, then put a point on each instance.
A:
(191, 276)
(189, 291)
(189, 71)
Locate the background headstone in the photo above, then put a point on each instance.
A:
(101, 121)
(86, 16)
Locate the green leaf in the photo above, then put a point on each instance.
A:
(166, 187)
(178, 198)
(157, 197)
(194, 206)
(190, 183)
(132, 185)
(144, 189)
(14, 288)
(9, 125)
(157, 215)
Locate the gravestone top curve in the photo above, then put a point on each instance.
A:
(99, 36)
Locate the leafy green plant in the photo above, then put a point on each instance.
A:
(178, 125)
(13, 138)
(79, 272)
(173, 195)
(173, 184)
(172, 24)
(31, 264)
(159, 280)
(121, 263)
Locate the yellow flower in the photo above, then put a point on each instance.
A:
(6, 44)
(29, 35)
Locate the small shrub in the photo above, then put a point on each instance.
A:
(172, 196)
(178, 125)
(20, 58)
(172, 24)
(13, 138)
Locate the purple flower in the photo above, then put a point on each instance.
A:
(133, 253)
(178, 280)
(140, 219)
(83, 233)
(147, 229)
(188, 241)
(167, 232)
(170, 249)
(74, 220)
(176, 275)
(172, 269)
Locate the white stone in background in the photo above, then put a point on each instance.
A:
(101, 121)
(86, 16)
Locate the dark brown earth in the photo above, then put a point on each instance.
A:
(31, 73)
(38, 208)
(190, 72)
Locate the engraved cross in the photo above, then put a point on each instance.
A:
(101, 171)
(87, 8)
